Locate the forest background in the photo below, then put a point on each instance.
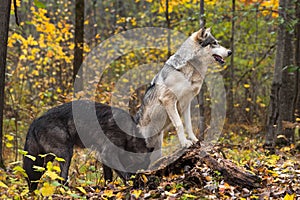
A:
(261, 78)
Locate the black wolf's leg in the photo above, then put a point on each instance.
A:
(107, 172)
(66, 154)
(33, 175)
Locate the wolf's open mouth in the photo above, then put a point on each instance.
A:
(219, 59)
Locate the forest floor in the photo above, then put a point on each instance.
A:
(279, 174)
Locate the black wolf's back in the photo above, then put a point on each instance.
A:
(55, 132)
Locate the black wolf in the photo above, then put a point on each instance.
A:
(59, 129)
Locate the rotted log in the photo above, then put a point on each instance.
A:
(189, 161)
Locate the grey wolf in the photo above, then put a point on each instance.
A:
(176, 84)
(55, 132)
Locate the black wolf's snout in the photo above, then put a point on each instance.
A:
(229, 52)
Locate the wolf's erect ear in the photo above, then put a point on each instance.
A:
(207, 30)
(202, 34)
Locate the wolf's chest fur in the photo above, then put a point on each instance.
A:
(183, 84)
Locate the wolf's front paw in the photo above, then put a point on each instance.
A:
(186, 143)
(193, 138)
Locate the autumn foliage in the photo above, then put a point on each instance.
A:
(39, 76)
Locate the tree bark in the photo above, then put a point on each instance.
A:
(282, 89)
(200, 96)
(287, 91)
(4, 24)
(230, 99)
(78, 50)
(297, 62)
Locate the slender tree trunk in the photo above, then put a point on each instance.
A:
(201, 14)
(78, 50)
(4, 24)
(200, 97)
(288, 78)
(274, 120)
(230, 100)
(297, 62)
(169, 27)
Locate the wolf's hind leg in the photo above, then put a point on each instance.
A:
(33, 176)
(107, 172)
(188, 123)
(66, 154)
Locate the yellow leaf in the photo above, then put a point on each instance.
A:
(190, 196)
(97, 36)
(35, 72)
(56, 168)
(108, 193)
(21, 76)
(274, 174)
(81, 189)
(53, 175)
(246, 85)
(262, 105)
(3, 185)
(31, 157)
(289, 197)
(125, 80)
(145, 179)
(58, 90)
(24, 192)
(8, 145)
(119, 195)
(47, 190)
(59, 25)
(60, 159)
(9, 137)
(38, 169)
(136, 193)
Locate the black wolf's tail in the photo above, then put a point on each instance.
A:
(33, 148)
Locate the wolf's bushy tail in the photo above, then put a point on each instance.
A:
(33, 148)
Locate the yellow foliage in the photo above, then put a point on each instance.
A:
(3, 185)
(246, 85)
(107, 194)
(81, 189)
(136, 193)
(53, 175)
(289, 196)
(266, 6)
(210, 2)
(47, 190)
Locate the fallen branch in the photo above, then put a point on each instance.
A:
(191, 161)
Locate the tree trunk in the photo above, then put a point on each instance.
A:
(200, 96)
(288, 78)
(4, 24)
(281, 97)
(78, 50)
(168, 27)
(297, 62)
(230, 100)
